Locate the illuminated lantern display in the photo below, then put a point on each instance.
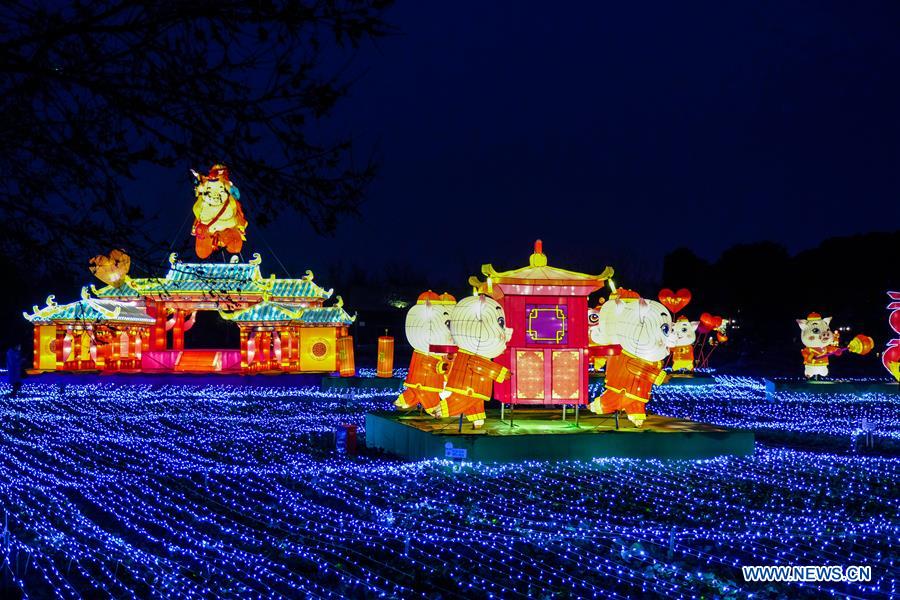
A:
(385, 365)
(594, 335)
(346, 360)
(710, 322)
(478, 327)
(675, 301)
(820, 343)
(644, 332)
(891, 357)
(218, 217)
(140, 324)
(428, 332)
(683, 352)
(548, 312)
(111, 269)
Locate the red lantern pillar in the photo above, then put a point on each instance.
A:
(158, 341)
(60, 341)
(295, 348)
(285, 349)
(36, 353)
(245, 360)
(265, 348)
(112, 349)
(178, 330)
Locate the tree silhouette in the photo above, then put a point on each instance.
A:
(93, 90)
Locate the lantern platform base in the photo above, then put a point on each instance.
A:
(830, 386)
(676, 379)
(540, 434)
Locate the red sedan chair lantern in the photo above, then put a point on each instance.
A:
(547, 309)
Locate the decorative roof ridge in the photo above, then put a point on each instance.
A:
(537, 262)
(489, 271)
(235, 314)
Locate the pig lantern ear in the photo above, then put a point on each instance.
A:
(827, 321)
(643, 305)
(801, 323)
(695, 324)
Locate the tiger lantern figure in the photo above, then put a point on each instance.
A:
(428, 332)
(218, 217)
(683, 352)
(478, 328)
(642, 331)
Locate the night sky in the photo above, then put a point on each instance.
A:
(614, 132)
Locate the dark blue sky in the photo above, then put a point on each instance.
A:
(614, 132)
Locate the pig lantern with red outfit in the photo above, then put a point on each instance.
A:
(478, 327)
(683, 352)
(642, 330)
(428, 332)
(819, 344)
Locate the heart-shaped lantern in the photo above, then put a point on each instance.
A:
(112, 268)
(675, 301)
(709, 323)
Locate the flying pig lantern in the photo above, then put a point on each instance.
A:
(644, 332)
(683, 352)
(428, 332)
(891, 357)
(218, 217)
(820, 343)
(478, 328)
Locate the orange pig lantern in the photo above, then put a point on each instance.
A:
(219, 220)
(428, 332)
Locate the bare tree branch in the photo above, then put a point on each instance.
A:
(92, 90)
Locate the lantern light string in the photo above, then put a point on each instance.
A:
(194, 491)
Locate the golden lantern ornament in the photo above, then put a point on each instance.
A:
(346, 360)
(385, 365)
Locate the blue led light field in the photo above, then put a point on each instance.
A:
(202, 491)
